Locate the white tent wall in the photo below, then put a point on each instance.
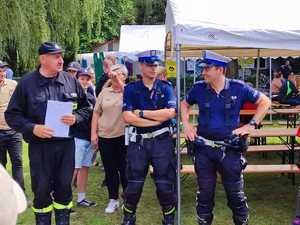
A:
(235, 24)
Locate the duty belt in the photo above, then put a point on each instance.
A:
(155, 133)
(133, 136)
(203, 141)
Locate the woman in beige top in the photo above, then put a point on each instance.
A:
(107, 134)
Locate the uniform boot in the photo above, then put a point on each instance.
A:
(43, 218)
(168, 219)
(128, 219)
(62, 216)
(205, 219)
(239, 220)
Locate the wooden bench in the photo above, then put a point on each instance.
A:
(276, 104)
(287, 168)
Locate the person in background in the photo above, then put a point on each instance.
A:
(162, 73)
(276, 82)
(9, 71)
(107, 134)
(83, 148)
(10, 140)
(91, 88)
(286, 69)
(107, 63)
(73, 68)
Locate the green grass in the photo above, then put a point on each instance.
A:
(271, 200)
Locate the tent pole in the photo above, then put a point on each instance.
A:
(184, 77)
(270, 81)
(178, 55)
(257, 67)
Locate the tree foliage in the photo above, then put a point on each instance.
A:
(150, 11)
(75, 24)
(25, 24)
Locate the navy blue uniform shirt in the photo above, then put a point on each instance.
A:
(28, 103)
(138, 96)
(212, 116)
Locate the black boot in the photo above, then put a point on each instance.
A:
(205, 219)
(43, 218)
(240, 220)
(62, 216)
(168, 219)
(128, 219)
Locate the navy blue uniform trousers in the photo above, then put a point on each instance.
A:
(229, 164)
(159, 152)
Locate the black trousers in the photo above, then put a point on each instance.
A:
(113, 155)
(11, 143)
(51, 168)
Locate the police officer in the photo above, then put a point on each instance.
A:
(219, 100)
(51, 158)
(148, 106)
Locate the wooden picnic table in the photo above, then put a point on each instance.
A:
(291, 114)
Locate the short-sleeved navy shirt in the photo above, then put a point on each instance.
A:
(138, 96)
(212, 124)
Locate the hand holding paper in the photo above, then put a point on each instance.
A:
(42, 131)
(59, 117)
(69, 119)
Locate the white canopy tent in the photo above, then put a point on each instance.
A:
(233, 28)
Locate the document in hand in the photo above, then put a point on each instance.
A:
(55, 111)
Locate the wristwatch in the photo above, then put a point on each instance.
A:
(252, 122)
(141, 114)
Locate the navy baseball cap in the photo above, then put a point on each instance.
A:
(49, 47)
(73, 66)
(151, 57)
(3, 64)
(214, 59)
(83, 72)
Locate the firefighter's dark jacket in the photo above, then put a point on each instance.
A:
(28, 103)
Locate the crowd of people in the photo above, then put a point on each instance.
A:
(129, 124)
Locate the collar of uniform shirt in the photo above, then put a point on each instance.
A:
(226, 86)
(43, 80)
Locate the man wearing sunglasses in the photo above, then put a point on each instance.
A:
(219, 100)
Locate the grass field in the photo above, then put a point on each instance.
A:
(271, 200)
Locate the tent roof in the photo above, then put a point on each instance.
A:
(236, 28)
(138, 38)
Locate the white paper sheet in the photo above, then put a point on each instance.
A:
(54, 113)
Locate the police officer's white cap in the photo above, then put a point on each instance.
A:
(150, 57)
(210, 57)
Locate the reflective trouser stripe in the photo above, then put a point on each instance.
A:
(127, 210)
(170, 211)
(43, 210)
(60, 206)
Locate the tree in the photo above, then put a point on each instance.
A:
(150, 11)
(25, 24)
